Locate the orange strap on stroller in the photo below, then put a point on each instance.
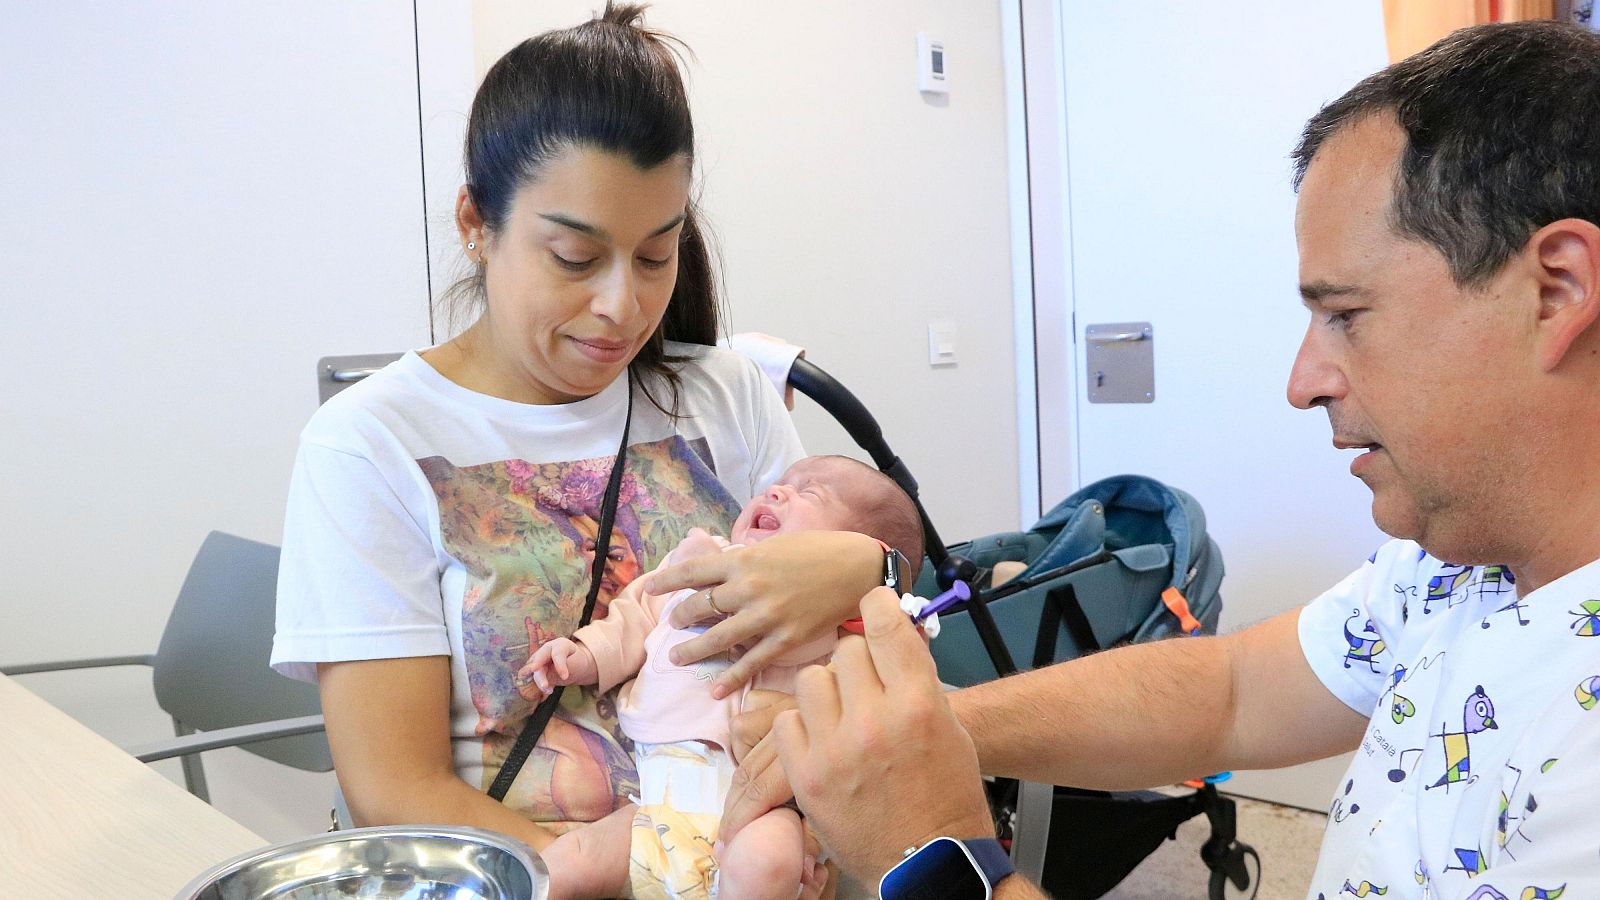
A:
(1179, 607)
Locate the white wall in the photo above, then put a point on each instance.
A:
(203, 199)
(200, 200)
(850, 210)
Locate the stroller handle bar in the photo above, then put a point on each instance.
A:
(836, 399)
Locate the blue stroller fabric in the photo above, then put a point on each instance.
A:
(1107, 551)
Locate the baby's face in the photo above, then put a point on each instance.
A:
(814, 495)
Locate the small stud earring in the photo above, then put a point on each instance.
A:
(472, 245)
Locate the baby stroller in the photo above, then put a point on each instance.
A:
(1126, 559)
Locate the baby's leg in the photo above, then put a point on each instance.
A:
(591, 862)
(763, 860)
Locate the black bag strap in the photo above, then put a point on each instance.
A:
(602, 548)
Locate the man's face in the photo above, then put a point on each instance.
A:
(1419, 374)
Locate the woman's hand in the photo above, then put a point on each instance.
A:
(777, 595)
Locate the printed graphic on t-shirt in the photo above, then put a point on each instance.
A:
(526, 533)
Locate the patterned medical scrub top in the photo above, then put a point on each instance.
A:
(1477, 777)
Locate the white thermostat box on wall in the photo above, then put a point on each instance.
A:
(931, 75)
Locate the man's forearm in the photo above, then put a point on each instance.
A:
(1161, 712)
(1018, 888)
(1126, 718)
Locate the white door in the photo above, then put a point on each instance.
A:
(1179, 119)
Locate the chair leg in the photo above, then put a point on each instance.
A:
(194, 774)
(340, 814)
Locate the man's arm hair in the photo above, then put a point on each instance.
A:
(1161, 712)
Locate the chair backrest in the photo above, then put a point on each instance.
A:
(211, 668)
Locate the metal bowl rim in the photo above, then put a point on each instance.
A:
(518, 850)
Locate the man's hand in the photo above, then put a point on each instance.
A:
(877, 759)
(759, 784)
(557, 662)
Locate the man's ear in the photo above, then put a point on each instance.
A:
(468, 222)
(1565, 258)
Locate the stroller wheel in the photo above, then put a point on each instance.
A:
(1238, 877)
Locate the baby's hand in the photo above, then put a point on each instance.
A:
(557, 662)
(698, 542)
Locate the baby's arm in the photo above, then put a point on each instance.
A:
(558, 662)
(618, 640)
(698, 542)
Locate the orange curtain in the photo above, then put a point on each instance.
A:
(1413, 25)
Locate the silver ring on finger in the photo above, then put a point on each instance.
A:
(712, 602)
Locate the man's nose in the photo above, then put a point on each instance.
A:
(1315, 379)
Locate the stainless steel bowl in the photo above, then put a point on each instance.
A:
(394, 863)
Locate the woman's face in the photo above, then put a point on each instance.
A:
(580, 273)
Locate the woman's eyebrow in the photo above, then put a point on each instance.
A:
(599, 233)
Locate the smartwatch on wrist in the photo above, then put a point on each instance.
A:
(896, 577)
(947, 869)
(896, 570)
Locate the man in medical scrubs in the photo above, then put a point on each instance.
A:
(1450, 261)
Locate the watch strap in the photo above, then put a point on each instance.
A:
(987, 856)
(855, 625)
(991, 857)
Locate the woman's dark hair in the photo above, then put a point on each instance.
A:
(613, 85)
(1502, 127)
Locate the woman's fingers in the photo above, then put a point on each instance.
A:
(702, 606)
(719, 638)
(765, 652)
(692, 573)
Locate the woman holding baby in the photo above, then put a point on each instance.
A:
(462, 507)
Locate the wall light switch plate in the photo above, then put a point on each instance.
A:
(931, 75)
(941, 343)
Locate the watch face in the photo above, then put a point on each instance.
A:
(941, 870)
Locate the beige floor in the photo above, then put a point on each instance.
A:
(1287, 840)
